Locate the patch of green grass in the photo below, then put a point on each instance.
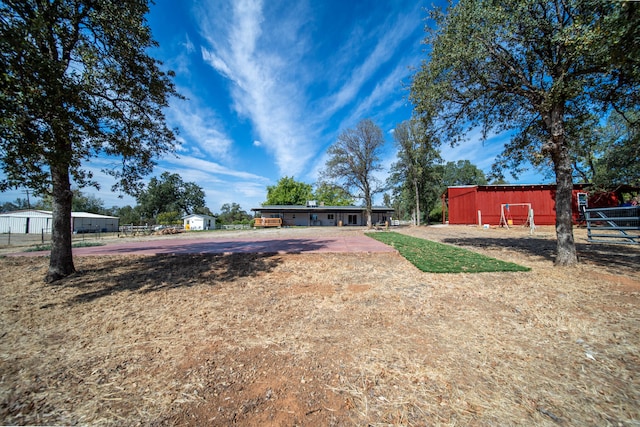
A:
(433, 257)
(38, 248)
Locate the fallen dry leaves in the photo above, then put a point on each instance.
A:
(325, 339)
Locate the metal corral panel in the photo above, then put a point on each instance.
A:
(465, 202)
(95, 224)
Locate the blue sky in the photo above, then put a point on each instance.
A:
(271, 84)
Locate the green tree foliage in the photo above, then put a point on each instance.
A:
(232, 213)
(462, 172)
(332, 195)
(77, 82)
(530, 66)
(415, 174)
(169, 218)
(353, 160)
(170, 193)
(288, 191)
(128, 215)
(17, 204)
(87, 203)
(608, 154)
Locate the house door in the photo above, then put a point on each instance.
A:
(352, 219)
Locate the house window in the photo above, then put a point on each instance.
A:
(329, 216)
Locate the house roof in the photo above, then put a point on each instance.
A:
(198, 216)
(301, 208)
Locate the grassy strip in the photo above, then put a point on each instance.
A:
(38, 248)
(433, 257)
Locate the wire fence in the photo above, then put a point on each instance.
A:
(44, 238)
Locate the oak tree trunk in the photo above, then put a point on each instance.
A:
(559, 151)
(61, 260)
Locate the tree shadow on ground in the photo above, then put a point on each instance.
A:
(616, 258)
(154, 273)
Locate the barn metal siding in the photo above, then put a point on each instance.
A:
(37, 222)
(25, 222)
(465, 202)
(463, 205)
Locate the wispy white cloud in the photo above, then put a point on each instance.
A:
(211, 169)
(392, 34)
(264, 78)
(201, 131)
(385, 97)
(188, 44)
(221, 184)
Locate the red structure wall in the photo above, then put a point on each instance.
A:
(466, 201)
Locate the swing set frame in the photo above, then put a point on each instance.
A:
(505, 215)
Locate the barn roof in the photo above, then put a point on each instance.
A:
(34, 213)
(318, 208)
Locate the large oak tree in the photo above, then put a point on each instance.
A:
(531, 67)
(77, 81)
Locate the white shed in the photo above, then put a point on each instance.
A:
(36, 221)
(199, 222)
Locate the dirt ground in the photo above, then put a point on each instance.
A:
(325, 338)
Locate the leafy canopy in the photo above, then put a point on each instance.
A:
(415, 175)
(353, 161)
(288, 191)
(77, 82)
(170, 193)
(232, 213)
(332, 195)
(537, 68)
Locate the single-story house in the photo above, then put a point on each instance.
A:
(38, 221)
(199, 222)
(314, 214)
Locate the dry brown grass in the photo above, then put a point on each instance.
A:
(325, 339)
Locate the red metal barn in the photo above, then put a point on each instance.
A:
(487, 203)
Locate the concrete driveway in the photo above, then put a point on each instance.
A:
(282, 242)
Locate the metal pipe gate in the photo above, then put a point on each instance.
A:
(613, 225)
